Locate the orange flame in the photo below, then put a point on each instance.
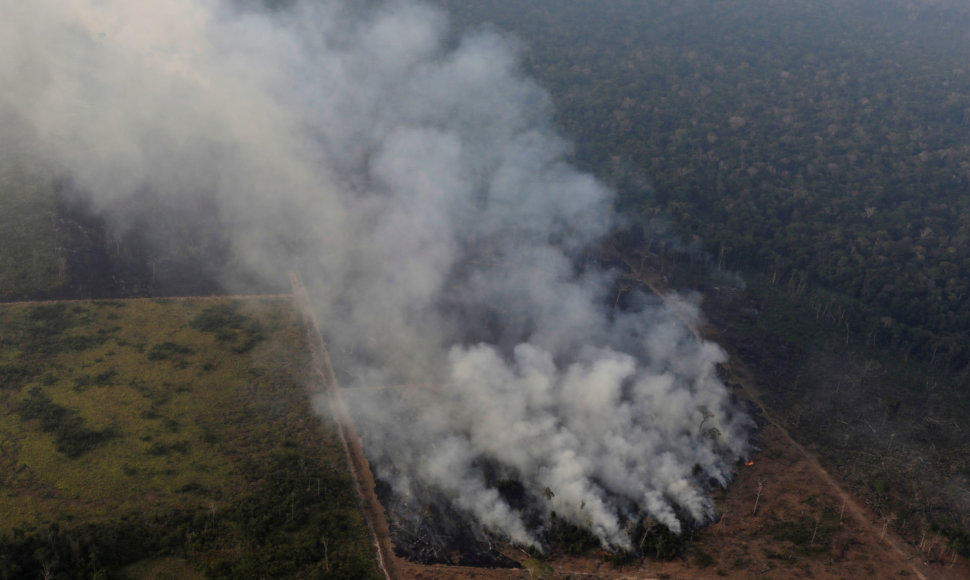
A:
(750, 463)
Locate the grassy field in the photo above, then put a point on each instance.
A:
(168, 434)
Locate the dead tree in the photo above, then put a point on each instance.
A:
(761, 486)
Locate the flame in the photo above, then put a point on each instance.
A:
(750, 463)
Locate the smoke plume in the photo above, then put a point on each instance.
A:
(416, 183)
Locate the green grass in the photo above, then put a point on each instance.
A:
(30, 261)
(125, 427)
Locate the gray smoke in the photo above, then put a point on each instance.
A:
(419, 188)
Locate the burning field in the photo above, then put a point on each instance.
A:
(784, 516)
(517, 447)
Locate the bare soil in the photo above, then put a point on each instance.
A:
(849, 543)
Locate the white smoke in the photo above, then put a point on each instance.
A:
(607, 432)
(423, 194)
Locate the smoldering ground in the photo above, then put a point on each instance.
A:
(418, 186)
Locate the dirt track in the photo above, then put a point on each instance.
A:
(359, 466)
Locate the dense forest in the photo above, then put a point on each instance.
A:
(821, 146)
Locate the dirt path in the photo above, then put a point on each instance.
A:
(359, 466)
(911, 557)
(852, 506)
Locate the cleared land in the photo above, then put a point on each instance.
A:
(806, 525)
(169, 437)
(785, 516)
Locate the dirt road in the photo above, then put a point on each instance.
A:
(359, 466)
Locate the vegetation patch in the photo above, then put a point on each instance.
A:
(120, 457)
(168, 350)
(222, 319)
(537, 568)
(655, 540)
(810, 535)
(229, 325)
(102, 379)
(14, 376)
(71, 436)
(650, 539)
(571, 539)
(703, 559)
(958, 539)
(86, 341)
